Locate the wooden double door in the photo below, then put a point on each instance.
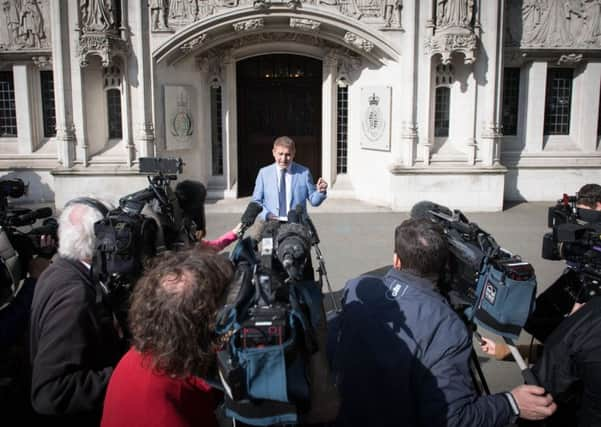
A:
(277, 95)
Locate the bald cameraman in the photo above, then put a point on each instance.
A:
(401, 354)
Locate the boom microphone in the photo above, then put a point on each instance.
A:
(30, 217)
(248, 217)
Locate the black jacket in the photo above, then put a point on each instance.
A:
(570, 368)
(74, 345)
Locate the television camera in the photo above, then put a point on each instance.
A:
(18, 246)
(146, 222)
(486, 284)
(576, 238)
(275, 316)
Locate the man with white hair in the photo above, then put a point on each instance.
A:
(73, 338)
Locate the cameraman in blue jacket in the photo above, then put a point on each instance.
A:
(399, 351)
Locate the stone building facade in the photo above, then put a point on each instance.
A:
(464, 102)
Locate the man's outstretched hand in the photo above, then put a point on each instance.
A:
(322, 185)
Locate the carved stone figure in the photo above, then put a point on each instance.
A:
(552, 30)
(182, 11)
(592, 29)
(158, 13)
(31, 24)
(454, 13)
(531, 15)
(392, 12)
(97, 15)
(9, 28)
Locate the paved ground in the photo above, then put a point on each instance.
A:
(357, 237)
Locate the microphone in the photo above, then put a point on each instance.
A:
(248, 217)
(30, 217)
(425, 208)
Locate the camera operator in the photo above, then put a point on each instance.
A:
(399, 350)
(73, 339)
(158, 381)
(555, 303)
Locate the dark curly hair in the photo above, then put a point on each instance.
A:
(173, 309)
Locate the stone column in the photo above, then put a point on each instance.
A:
(489, 98)
(230, 125)
(79, 106)
(61, 69)
(404, 152)
(27, 117)
(329, 117)
(534, 115)
(586, 106)
(140, 71)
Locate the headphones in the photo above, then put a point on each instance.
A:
(88, 201)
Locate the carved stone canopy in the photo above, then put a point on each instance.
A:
(283, 24)
(453, 24)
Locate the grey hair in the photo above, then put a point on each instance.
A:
(76, 231)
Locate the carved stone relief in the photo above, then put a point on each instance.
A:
(354, 39)
(193, 43)
(99, 31)
(454, 30)
(304, 24)
(554, 24)
(23, 24)
(249, 25)
(171, 15)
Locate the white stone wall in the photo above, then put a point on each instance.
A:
(474, 168)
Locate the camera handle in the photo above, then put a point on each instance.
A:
(527, 373)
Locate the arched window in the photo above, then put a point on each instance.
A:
(113, 103)
(112, 85)
(442, 105)
(342, 127)
(216, 129)
(442, 99)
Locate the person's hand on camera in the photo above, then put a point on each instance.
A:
(200, 234)
(236, 230)
(488, 346)
(534, 403)
(322, 185)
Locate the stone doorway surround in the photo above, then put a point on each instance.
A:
(218, 42)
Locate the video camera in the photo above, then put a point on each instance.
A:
(492, 286)
(146, 222)
(18, 247)
(576, 238)
(274, 326)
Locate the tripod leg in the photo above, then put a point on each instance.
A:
(478, 378)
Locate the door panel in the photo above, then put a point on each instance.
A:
(277, 95)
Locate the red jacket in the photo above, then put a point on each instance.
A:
(137, 396)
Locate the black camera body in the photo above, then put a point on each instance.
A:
(19, 246)
(575, 238)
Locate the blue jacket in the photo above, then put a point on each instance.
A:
(401, 357)
(303, 189)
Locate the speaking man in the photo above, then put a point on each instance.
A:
(283, 185)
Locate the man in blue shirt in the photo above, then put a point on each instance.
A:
(400, 352)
